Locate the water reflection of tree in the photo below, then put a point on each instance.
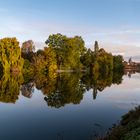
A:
(46, 84)
(68, 89)
(98, 81)
(10, 87)
(27, 89)
(58, 90)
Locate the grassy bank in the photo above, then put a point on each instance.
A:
(128, 128)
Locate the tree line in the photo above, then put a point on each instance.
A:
(60, 52)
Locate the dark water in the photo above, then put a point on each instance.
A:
(68, 107)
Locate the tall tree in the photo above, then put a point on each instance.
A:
(118, 63)
(57, 43)
(75, 48)
(10, 55)
(87, 59)
(68, 50)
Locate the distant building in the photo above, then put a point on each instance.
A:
(131, 66)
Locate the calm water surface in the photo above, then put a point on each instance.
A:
(69, 107)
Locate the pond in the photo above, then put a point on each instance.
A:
(70, 106)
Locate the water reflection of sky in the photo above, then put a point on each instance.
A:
(33, 119)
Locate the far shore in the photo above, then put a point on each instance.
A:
(70, 71)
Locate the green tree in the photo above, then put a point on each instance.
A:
(103, 61)
(67, 50)
(75, 48)
(87, 59)
(57, 43)
(118, 63)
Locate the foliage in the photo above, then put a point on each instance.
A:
(1, 70)
(28, 71)
(118, 63)
(10, 55)
(67, 50)
(128, 128)
(10, 87)
(75, 48)
(99, 81)
(105, 62)
(68, 89)
(59, 90)
(57, 43)
(87, 59)
(28, 67)
(45, 61)
(66, 53)
(100, 61)
(27, 50)
(45, 83)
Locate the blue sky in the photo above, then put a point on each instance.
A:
(114, 23)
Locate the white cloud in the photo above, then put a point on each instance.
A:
(124, 40)
(117, 41)
(119, 36)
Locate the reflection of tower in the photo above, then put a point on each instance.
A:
(130, 61)
(59, 137)
(59, 83)
(94, 93)
(129, 74)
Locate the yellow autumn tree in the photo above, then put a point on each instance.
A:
(10, 55)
